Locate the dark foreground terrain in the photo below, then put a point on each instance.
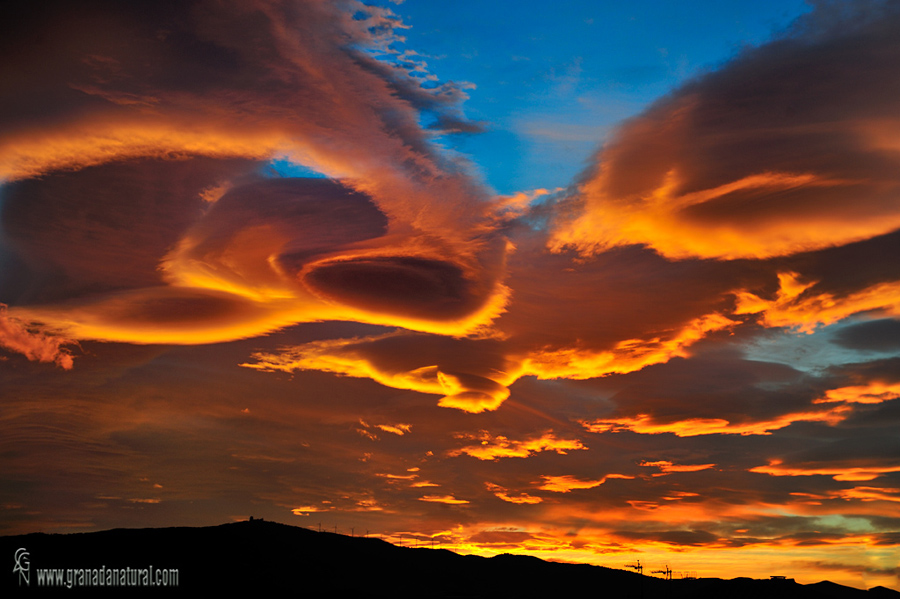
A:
(267, 559)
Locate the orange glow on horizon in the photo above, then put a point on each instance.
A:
(760, 558)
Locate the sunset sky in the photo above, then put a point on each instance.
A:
(594, 281)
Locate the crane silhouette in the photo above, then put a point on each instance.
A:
(667, 572)
(640, 570)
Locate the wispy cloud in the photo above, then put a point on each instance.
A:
(37, 346)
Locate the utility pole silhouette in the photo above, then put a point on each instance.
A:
(351, 531)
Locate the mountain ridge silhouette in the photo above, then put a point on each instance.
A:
(270, 557)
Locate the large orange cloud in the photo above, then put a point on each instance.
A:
(445, 366)
(318, 84)
(294, 79)
(470, 374)
(250, 264)
(776, 153)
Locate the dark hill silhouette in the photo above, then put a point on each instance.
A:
(282, 560)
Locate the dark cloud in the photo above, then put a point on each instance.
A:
(849, 268)
(877, 335)
(622, 294)
(888, 539)
(884, 369)
(105, 227)
(413, 286)
(694, 538)
(715, 386)
(262, 233)
(317, 215)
